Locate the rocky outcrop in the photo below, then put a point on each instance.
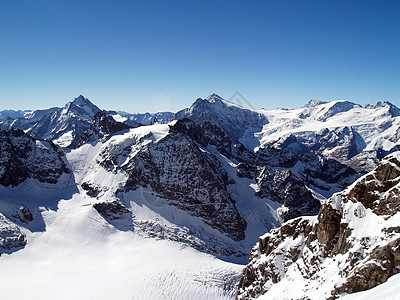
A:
(352, 245)
(379, 190)
(101, 128)
(284, 187)
(11, 237)
(312, 169)
(22, 157)
(112, 210)
(23, 214)
(210, 134)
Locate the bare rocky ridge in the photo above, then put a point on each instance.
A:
(23, 157)
(11, 237)
(352, 245)
(101, 128)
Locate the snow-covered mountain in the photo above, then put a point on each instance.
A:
(63, 126)
(178, 171)
(204, 187)
(351, 246)
(346, 132)
(238, 122)
(353, 135)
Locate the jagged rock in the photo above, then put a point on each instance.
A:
(112, 210)
(91, 190)
(23, 157)
(381, 181)
(328, 227)
(210, 134)
(193, 180)
(11, 237)
(23, 214)
(101, 128)
(284, 187)
(352, 238)
(177, 170)
(312, 169)
(234, 120)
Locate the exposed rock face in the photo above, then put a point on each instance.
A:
(23, 214)
(11, 237)
(284, 187)
(177, 170)
(352, 245)
(210, 134)
(314, 170)
(340, 130)
(112, 210)
(383, 180)
(101, 128)
(23, 157)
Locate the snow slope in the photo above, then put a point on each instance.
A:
(82, 256)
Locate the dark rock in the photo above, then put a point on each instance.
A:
(284, 187)
(382, 180)
(23, 214)
(11, 237)
(101, 128)
(178, 171)
(112, 210)
(23, 157)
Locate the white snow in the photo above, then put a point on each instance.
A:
(65, 139)
(82, 256)
(374, 125)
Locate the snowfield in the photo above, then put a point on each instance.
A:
(74, 253)
(81, 256)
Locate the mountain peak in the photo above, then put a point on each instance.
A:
(81, 100)
(314, 103)
(214, 98)
(393, 110)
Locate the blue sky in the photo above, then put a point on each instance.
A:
(161, 55)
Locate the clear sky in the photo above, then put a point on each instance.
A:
(162, 55)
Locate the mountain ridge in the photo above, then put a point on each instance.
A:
(213, 179)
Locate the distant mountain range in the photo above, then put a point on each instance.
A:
(65, 125)
(215, 177)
